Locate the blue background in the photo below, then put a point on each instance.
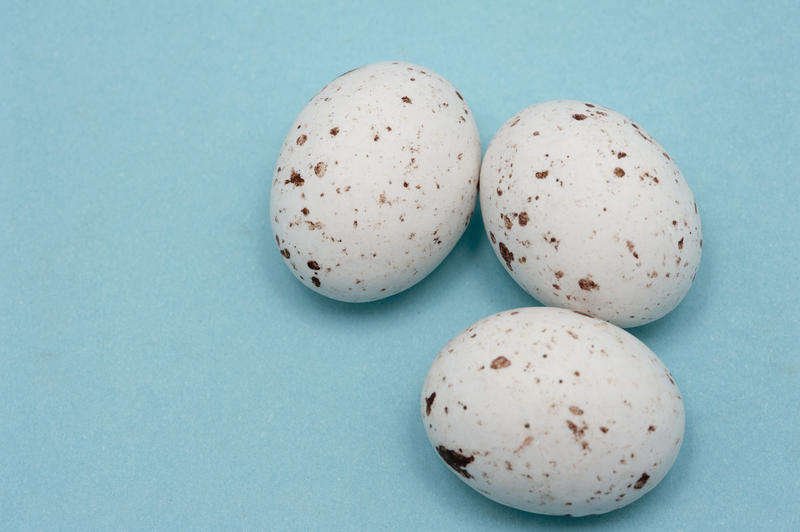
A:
(161, 367)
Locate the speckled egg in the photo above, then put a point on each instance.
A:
(553, 412)
(588, 212)
(376, 181)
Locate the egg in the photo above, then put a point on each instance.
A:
(553, 412)
(376, 181)
(587, 211)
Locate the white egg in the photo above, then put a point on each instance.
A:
(586, 211)
(376, 181)
(553, 412)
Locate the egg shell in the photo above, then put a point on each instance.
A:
(376, 181)
(587, 211)
(553, 412)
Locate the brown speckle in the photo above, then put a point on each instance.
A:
(588, 284)
(499, 192)
(334, 131)
(507, 255)
(575, 410)
(577, 432)
(508, 466)
(507, 221)
(459, 96)
(456, 460)
(641, 482)
(603, 430)
(527, 441)
(542, 174)
(305, 211)
(295, 179)
(579, 116)
(619, 172)
(515, 122)
(559, 274)
(492, 238)
(535, 133)
(285, 253)
(500, 363)
(651, 428)
(523, 219)
(301, 140)
(680, 243)
(313, 265)
(571, 333)
(429, 403)
(630, 248)
(621, 155)
(315, 281)
(406, 99)
(376, 138)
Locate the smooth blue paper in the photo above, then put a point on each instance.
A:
(160, 368)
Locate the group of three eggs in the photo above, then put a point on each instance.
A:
(552, 410)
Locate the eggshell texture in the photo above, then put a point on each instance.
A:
(553, 412)
(376, 181)
(586, 211)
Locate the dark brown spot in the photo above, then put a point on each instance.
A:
(621, 154)
(334, 131)
(507, 221)
(301, 140)
(665, 155)
(603, 430)
(641, 482)
(523, 219)
(459, 96)
(579, 117)
(559, 274)
(651, 428)
(542, 174)
(527, 425)
(575, 410)
(588, 284)
(376, 138)
(674, 222)
(456, 460)
(406, 99)
(680, 243)
(500, 363)
(315, 281)
(515, 122)
(295, 179)
(305, 211)
(582, 313)
(429, 403)
(499, 192)
(508, 257)
(508, 465)
(405, 184)
(285, 253)
(557, 287)
(577, 373)
(313, 265)
(588, 104)
(277, 240)
(619, 172)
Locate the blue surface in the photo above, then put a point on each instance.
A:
(160, 366)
